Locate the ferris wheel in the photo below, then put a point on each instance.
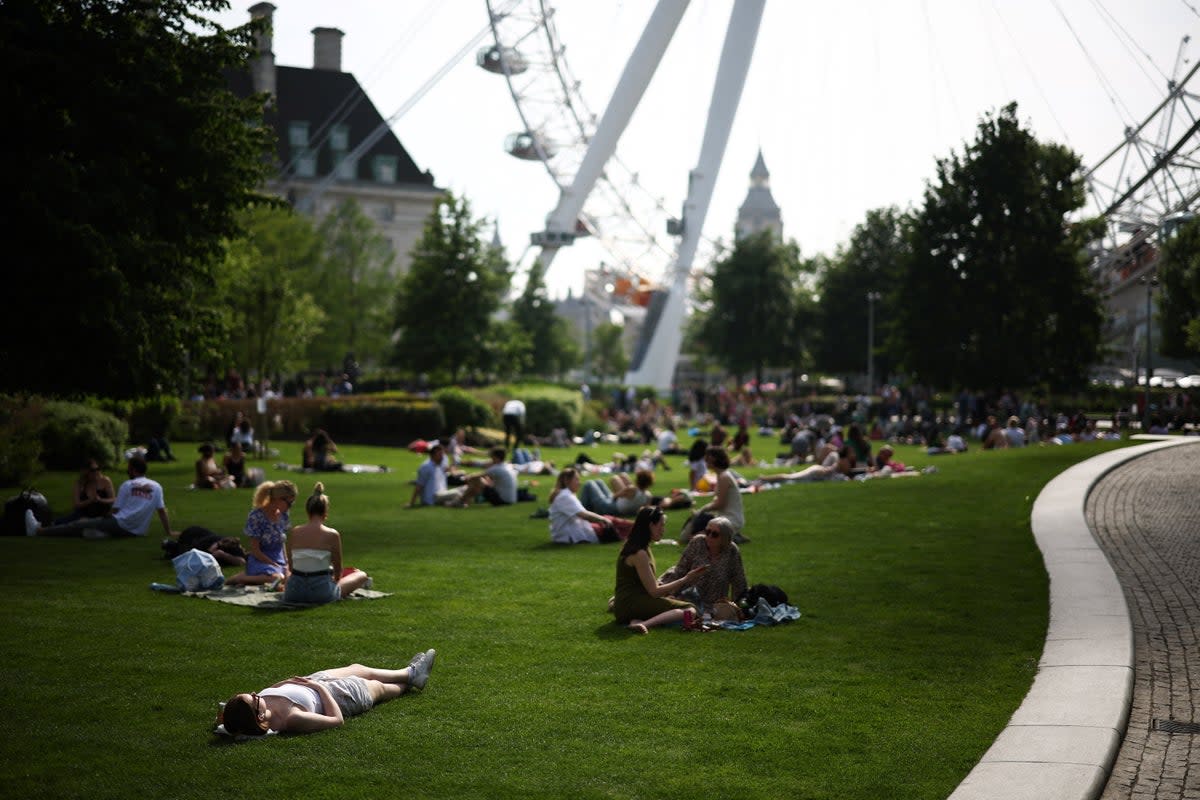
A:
(598, 194)
(557, 126)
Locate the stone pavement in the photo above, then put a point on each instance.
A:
(1146, 516)
(1080, 727)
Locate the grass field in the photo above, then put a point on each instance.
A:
(924, 606)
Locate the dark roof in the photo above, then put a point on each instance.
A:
(322, 98)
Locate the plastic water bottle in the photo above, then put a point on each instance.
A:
(164, 587)
(706, 616)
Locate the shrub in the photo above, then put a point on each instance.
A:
(463, 410)
(72, 432)
(394, 424)
(20, 442)
(544, 414)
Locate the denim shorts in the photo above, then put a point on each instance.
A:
(314, 589)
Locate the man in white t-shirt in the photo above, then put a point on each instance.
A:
(138, 500)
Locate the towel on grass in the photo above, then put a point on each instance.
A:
(258, 597)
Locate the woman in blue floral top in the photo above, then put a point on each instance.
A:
(267, 527)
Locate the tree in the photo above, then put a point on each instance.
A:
(608, 350)
(446, 301)
(553, 349)
(354, 287)
(996, 291)
(131, 163)
(750, 304)
(271, 317)
(1179, 301)
(870, 262)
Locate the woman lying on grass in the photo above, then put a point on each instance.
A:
(321, 700)
(640, 601)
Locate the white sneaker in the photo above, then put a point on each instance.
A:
(31, 524)
(420, 667)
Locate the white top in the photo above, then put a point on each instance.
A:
(565, 525)
(514, 407)
(137, 500)
(733, 508)
(304, 696)
(667, 440)
(310, 559)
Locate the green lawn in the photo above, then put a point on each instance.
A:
(924, 613)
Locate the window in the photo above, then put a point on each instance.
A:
(347, 168)
(339, 139)
(385, 169)
(298, 134)
(304, 204)
(386, 212)
(306, 164)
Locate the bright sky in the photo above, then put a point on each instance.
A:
(850, 102)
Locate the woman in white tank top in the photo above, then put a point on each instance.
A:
(321, 700)
(314, 554)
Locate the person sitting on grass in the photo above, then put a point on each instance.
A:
(318, 453)
(430, 488)
(314, 558)
(497, 484)
(639, 600)
(322, 700)
(266, 527)
(92, 495)
(571, 523)
(138, 500)
(208, 474)
(724, 580)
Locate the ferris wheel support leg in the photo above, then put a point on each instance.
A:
(640, 68)
(657, 366)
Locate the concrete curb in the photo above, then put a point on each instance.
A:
(1062, 741)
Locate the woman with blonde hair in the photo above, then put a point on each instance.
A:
(266, 527)
(314, 558)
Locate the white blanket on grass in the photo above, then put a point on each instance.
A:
(258, 597)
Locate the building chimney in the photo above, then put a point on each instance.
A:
(262, 66)
(327, 49)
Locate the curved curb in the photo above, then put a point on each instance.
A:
(1062, 741)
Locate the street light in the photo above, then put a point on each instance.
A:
(1149, 281)
(871, 298)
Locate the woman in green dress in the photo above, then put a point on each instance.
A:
(640, 601)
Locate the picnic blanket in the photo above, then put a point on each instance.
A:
(763, 614)
(357, 469)
(258, 597)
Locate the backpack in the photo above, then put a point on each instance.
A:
(14, 512)
(772, 594)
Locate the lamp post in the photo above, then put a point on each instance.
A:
(871, 298)
(1149, 281)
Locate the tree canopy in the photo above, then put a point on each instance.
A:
(750, 304)
(1179, 301)
(129, 162)
(997, 291)
(869, 263)
(456, 282)
(553, 350)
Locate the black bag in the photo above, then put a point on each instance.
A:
(772, 594)
(15, 508)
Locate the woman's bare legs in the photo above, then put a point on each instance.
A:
(242, 579)
(355, 580)
(665, 618)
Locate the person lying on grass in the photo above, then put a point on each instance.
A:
(640, 601)
(321, 700)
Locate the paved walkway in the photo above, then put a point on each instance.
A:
(1146, 516)
(1122, 524)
